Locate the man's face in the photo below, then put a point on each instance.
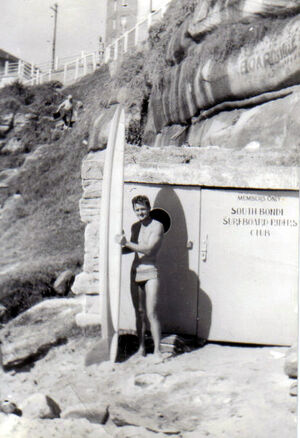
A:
(141, 211)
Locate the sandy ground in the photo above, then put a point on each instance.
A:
(217, 390)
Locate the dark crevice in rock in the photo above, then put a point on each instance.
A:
(176, 433)
(231, 105)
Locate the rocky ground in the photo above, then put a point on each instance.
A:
(217, 390)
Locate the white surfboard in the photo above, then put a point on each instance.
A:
(111, 222)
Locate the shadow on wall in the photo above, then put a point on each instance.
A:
(181, 300)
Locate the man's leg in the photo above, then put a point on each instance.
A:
(64, 117)
(138, 299)
(70, 115)
(152, 287)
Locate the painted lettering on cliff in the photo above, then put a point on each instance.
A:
(284, 53)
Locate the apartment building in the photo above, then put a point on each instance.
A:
(122, 15)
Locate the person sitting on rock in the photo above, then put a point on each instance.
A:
(66, 111)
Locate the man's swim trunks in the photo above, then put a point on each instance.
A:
(145, 273)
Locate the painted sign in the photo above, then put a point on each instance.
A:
(260, 215)
(249, 265)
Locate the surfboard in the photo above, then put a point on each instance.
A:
(111, 224)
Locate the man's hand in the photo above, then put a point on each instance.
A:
(121, 239)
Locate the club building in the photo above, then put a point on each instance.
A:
(228, 264)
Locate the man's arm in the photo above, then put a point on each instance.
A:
(133, 238)
(153, 243)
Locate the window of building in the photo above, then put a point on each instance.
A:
(123, 23)
(115, 5)
(114, 24)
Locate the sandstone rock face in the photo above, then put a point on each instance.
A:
(48, 323)
(63, 282)
(40, 406)
(100, 130)
(256, 59)
(236, 129)
(207, 18)
(291, 362)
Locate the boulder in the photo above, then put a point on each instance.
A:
(90, 411)
(9, 407)
(7, 175)
(6, 123)
(63, 282)
(20, 121)
(149, 379)
(13, 146)
(49, 323)
(12, 209)
(291, 362)
(100, 129)
(13, 427)
(40, 406)
(124, 414)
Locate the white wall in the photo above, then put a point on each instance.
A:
(144, 7)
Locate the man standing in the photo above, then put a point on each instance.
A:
(66, 111)
(145, 242)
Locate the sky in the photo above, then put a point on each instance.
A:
(26, 27)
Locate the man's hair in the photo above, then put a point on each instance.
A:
(141, 199)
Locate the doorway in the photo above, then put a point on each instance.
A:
(249, 265)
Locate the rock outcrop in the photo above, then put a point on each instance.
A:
(224, 53)
(40, 406)
(48, 323)
(63, 282)
(93, 412)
